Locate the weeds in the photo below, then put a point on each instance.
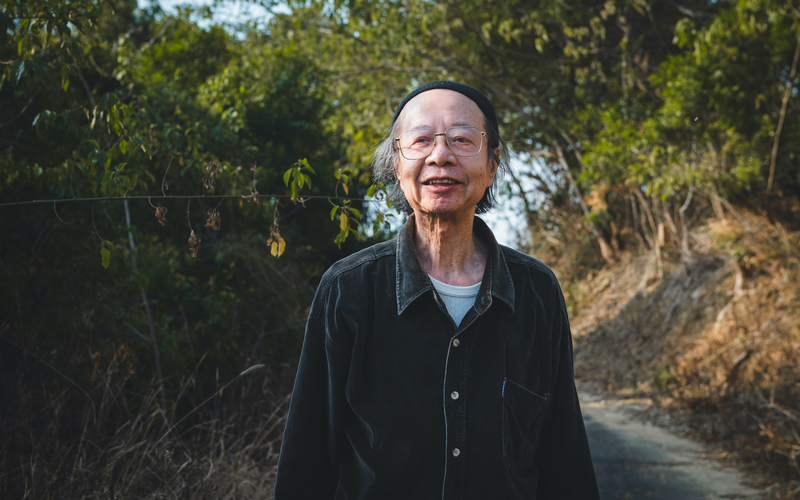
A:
(60, 442)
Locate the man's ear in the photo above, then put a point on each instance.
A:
(495, 163)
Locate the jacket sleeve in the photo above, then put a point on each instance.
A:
(308, 466)
(566, 470)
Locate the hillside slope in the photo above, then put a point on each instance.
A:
(715, 343)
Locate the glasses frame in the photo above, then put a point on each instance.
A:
(480, 148)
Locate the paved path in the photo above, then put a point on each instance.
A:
(635, 460)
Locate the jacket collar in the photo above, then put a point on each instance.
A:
(412, 281)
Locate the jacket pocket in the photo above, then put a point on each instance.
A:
(523, 413)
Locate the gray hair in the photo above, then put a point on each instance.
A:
(386, 158)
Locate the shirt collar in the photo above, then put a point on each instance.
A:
(412, 281)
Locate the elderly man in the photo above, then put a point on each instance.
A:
(437, 365)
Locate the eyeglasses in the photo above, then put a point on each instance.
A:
(418, 143)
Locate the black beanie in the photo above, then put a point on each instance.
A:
(475, 95)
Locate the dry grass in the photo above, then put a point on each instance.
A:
(70, 444)
(717, 341)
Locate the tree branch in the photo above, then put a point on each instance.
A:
(21, 112)
(786, 95)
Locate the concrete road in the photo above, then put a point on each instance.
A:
(635, 460)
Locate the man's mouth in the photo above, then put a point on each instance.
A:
(440, 182)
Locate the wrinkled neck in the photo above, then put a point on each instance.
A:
(448, 248)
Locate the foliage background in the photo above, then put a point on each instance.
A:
(631, 122)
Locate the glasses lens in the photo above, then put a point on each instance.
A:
(464, 141)
(417, 143)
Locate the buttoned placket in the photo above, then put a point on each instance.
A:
(454, 390)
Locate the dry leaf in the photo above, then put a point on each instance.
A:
(194, 244)
(161, 214)
(214, 220)
(275, 243)
(210, 180)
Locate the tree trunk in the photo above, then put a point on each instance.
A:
(605, 248)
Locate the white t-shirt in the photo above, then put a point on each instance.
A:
(458, 299)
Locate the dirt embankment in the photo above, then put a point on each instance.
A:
(715, 342)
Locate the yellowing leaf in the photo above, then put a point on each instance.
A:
(345, 189)
(277, 247)
(343, 222)
(106, 256)
(281, 246)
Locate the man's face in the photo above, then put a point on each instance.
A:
(443, 183)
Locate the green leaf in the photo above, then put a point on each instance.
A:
(93, 143)
(286, 176)
(294, 191)
(306, 166)
(105, 255)
(356, 213)
(371, 191)
(110, 246)
(20, 70)
(121, 166)
(123, 146)
(106, 179)
(333, 212)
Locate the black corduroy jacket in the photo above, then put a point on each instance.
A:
(393, 401)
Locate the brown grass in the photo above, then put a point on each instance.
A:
(716, 342)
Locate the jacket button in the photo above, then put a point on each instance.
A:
(455, 342)
(456, 452)
(454, 394)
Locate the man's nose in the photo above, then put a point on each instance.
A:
(441, 153)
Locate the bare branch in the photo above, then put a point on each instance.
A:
(786, 95)
(158, 35)
(21, 112)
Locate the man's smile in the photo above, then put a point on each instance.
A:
(440, 182)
